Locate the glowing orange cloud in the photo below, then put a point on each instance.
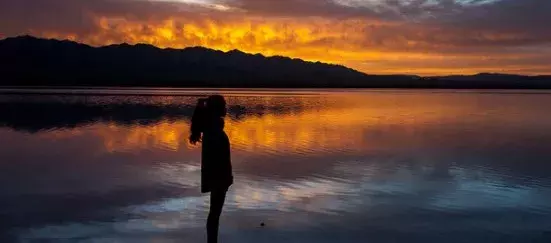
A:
(367, 45)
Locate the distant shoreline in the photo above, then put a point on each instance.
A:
(32, 63)
(168, 91)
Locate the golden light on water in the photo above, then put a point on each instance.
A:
(165, 135)
(336, 126)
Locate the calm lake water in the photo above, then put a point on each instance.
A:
(314, 166)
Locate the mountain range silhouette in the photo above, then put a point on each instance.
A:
(31, 61)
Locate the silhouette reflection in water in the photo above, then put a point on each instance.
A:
(207, 126)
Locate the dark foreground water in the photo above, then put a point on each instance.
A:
(314, 166)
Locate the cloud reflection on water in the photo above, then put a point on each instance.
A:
(354, 160)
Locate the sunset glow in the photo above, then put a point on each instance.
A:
(419, 37)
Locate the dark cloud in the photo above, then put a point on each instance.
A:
(474, 22)
(302, 8)
(527, 20)
(79, 16)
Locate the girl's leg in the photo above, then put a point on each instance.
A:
(217, 198)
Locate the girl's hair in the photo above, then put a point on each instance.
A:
(207, 113)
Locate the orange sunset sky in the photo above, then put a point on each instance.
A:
(425, 37)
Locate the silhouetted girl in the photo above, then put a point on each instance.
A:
(207, 126)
